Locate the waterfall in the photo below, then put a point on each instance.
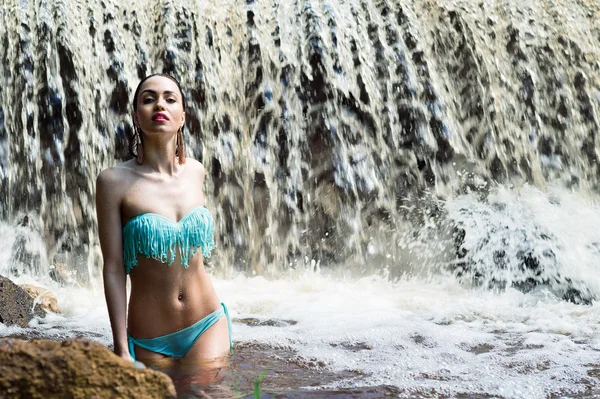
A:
(329, 129)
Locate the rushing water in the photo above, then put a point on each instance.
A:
(406, 193)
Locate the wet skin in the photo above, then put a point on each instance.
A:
(163, 299)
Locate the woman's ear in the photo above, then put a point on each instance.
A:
(182, 119)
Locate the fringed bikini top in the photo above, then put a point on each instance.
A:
(158, 237)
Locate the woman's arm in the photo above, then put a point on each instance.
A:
(110, 233)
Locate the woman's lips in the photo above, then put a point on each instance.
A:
(160, 117)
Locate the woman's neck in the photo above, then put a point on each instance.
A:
(160, 157)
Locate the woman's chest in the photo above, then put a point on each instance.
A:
(172, 200)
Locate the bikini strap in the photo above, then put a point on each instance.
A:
(131, 347)
(228, 324)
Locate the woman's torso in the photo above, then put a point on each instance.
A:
(166, 298)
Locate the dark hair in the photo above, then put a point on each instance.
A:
(136, 138)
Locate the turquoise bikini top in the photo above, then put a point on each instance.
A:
(158, 237)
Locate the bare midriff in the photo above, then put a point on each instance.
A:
(165, 299)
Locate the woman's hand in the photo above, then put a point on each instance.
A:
(125, 356)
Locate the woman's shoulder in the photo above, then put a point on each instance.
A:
(195, 165)
(117, 174)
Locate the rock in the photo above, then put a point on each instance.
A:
(254, 322)
(75, 368)
(508, 257)
(16, 306)
(44, 297)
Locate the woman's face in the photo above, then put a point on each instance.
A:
(159, 106)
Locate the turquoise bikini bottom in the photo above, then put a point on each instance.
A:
(177, 344)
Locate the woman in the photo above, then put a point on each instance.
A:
(153, 226)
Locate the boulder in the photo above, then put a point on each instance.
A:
(75, 368)
(44, 297)
(16, 306)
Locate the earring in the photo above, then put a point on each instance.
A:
(180, 148)
(140, 148)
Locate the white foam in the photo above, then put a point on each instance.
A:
(413, 334)
(421, 335)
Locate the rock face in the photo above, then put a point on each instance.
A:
(16, 305)
(44, 297)
(74, 369)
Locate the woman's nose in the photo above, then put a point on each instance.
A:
(159, 104)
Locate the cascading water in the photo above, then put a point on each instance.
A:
(390, 137)
(316, 121)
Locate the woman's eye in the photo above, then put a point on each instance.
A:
(148, 100)
(171, 100)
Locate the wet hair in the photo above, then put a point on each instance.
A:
(136, 138)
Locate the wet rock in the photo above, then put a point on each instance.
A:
(254, 322)
(524, 267)
(16, 306)
(42, 296)
(76, 369)
(353, 346)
